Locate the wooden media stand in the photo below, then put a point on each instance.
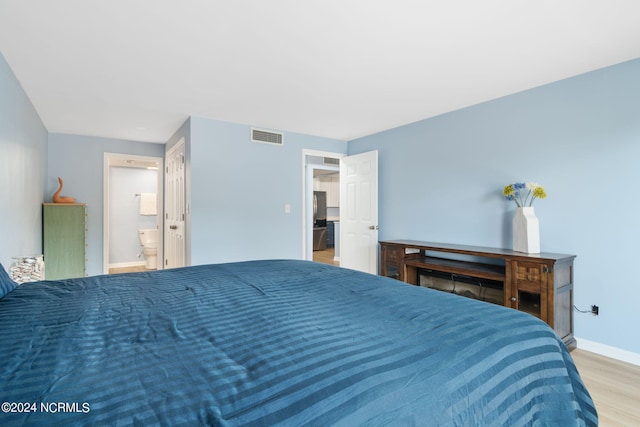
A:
(539, 284)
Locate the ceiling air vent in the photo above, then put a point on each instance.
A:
(331, 161)
(266, 137)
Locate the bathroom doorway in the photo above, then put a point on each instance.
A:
(133, 190)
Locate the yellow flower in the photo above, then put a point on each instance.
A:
(508, 190)
(539, 193)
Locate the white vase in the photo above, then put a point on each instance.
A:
(526, 231)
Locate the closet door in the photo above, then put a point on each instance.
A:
(64, 236)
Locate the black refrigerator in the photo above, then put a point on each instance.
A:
(319, 220)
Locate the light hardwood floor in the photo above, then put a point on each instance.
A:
(325, 256)
(614, 387)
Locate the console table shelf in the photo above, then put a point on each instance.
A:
(472, 269)
(538, 284)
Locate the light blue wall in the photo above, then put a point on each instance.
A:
(183, 132)
(441, 180)
(239, 190)
(79, 160)
(23, 165)
(124, 212)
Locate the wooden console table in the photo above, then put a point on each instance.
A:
(539, 284)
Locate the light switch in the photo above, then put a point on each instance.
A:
(287, 208)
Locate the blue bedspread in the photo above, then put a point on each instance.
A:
(281, 342)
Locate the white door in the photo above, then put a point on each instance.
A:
(359, 212)
(174, 222)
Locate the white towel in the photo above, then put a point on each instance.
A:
(148, 204)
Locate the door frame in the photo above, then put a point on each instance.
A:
(118, 159)
(307, 198)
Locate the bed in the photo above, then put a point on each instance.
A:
(279, 342)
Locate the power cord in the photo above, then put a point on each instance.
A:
(595, 310)
(581, 311)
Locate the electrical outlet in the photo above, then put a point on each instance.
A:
(595, 310)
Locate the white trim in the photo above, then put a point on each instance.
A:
(128, 264)
(105, 215)
(608, 351)
(307, 187)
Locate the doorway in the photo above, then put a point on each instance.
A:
(133, 191)
(321, 172)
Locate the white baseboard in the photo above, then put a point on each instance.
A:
(127, 264)
(608, 351)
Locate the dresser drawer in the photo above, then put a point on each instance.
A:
(529, 276)
(393, 254)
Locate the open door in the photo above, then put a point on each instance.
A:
(175, 209)
(359, 212)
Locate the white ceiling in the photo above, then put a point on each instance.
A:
(136, 69)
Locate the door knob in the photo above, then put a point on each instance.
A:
(373, 227)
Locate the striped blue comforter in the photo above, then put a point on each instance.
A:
(268, 343)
